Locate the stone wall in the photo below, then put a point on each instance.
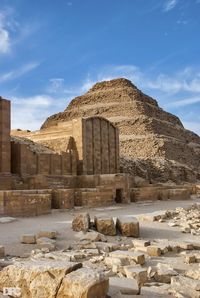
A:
(4, 136)
(25, 203)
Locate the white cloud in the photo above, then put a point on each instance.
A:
(4, 34)
(30, 112)
(16, 73)
(169, 5)
(184, 102)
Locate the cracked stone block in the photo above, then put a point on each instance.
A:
(84, 283)
(81, 222)
(105, 225)
(128, 226)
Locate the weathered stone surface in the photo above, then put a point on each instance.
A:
(47, 234)
(136, 272)
(83, 283)
(105, 225)
(155, 291)
(186, 286)
(128, 226)
(124, 285)
(137, 257)
(154, 251)
(92, 236)
(28, 239)
(164, 273)
(2, 251)
(38, 279)
(81, 222)
(46, 243)
(140, 243)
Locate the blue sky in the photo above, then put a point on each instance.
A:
(51, 51)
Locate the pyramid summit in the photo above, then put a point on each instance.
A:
(153, 142)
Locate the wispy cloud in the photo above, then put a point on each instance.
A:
(169, 5)
(30, 112)
(16, 73)
(184, 102)
(5, 42)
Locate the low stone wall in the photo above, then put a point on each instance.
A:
(153, 193)
(25, 203)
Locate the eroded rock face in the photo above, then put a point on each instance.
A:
(36, 279)
(153, 143)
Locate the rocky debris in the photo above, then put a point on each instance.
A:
(186, 286)
(2, 251)
(164, 273)
(91, 236)
(81, 222)
(139, 243)
(154, 216)
(83, 282)
(153, 251)
(124, 285)
(47, 234)
(45, 242)
(28, 239)
(136, 272)
(128, 226)
(105, 225)
(194, 274)
(156, 291)
(137, 257)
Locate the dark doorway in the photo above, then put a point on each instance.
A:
(119, 195)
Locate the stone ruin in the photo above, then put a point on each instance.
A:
(93, 154)
(73, 163)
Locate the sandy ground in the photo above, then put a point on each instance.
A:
(60, 220)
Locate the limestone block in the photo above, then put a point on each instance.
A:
(128, 226)
(38, 279)
(116, 261)
(46, 243)
(155, 291)
(190, 259)
(140, 243)
(47, 234)
(83, 283)
(92, 236)
(2, 251)
(136, 272)
(105, 225)
(186, 285)
(124, 285)
(154, 251)
(81, 222)
(137, 257)
(28, 239)
(164, 273)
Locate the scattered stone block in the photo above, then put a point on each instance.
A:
(164, 273)
(141, 243)
(46, 243)
(136, 272)
(154, 251)
(127, 286)
(154, 216)
(47, 234)
(105, 225)
(28, 239)
(186, 285)
(81, 222)
(137, 257)
(155, 291)
(84, 282)
(190, 259)
(92, 236)
(116, 261)
(2, 251)
(128, 226)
